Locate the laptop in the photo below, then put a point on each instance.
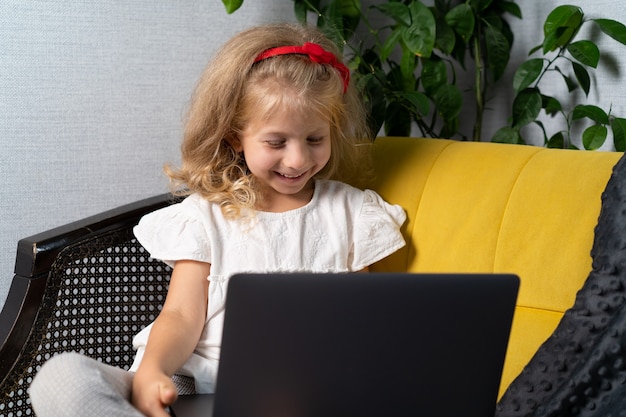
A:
(376, 344)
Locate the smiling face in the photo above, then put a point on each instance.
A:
(284, 151)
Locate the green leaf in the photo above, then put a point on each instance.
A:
(395, 80)
(346, 14)
(512, 8)
(461, 19)
(408, 63)
(332, 26)
(614, 29)
(418, 103)
(391, 42)
(372, 85)
(480, 5)
(618, 125)
(586, 52)
(397, 11)
(459, 53)
(589, 111)
(349, 8)
(507, 135)
(526, 74)
(397, 120)
(448, 100)
(543, 131)
(506, 30)
(370, 62)
(535, 49)
(561, 26)
(561, 16)
(550, 105)
(550, 41)
(498, 51)
(571, 84)
(594, 137)
(582, 75)
(300, 10)
(526, 107)
(420, 36)
(556, 141)
(446, 39)
(232, 5)
(434, 75)
(450, 128)
(492, 19)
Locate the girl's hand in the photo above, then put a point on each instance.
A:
(153, 391)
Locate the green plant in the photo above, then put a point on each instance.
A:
(408, 66)
(561, 45)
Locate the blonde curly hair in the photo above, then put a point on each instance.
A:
(233, 88)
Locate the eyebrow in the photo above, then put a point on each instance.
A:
(321, 131)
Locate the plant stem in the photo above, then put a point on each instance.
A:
(478, 88)
(560, 54)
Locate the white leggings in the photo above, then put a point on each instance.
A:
(71, 384)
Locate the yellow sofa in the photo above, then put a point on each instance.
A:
(472, 207)
(486, 207)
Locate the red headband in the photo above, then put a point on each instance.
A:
(316, 53)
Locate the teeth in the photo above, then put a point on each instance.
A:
(291, 176)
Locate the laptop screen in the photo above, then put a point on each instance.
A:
(363, 345)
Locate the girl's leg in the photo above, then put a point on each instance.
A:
(71, 384)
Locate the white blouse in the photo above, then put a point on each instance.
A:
(342, 229)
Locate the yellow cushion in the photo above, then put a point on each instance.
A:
(486, 207)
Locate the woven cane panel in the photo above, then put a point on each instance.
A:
(100, 294)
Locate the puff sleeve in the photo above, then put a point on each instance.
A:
(175, 233)
(377, 230)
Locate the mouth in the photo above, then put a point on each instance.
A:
(289, 177)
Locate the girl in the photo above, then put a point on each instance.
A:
(273, 119)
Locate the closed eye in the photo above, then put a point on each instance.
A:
(314, 140)
(275, 143)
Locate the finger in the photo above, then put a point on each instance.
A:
(155, 406)
(168, 394)
(154, 409)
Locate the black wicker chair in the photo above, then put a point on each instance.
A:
(87, 287)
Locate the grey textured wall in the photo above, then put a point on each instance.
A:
(92, 95)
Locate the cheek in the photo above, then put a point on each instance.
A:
(325, 153)
(260, 158)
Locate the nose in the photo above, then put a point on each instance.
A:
(296, 156)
